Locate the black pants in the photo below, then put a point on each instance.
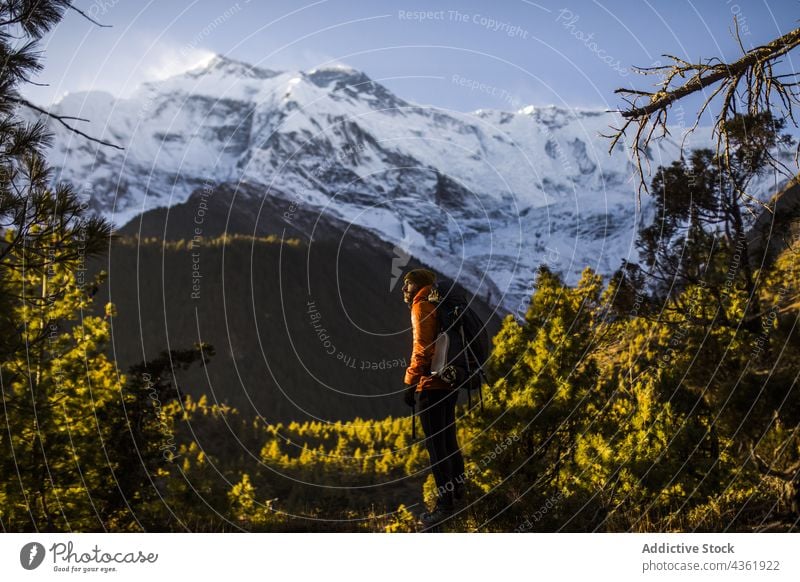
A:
(438, 417)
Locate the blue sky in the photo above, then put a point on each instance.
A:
(460, 55)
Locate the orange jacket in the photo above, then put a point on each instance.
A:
(425, 328)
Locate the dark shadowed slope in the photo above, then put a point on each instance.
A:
(301, 329)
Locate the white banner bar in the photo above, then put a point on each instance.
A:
(399, 557)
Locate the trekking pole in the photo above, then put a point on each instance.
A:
(414, 421)
(481, 376)
(482, 379)
(468, 351)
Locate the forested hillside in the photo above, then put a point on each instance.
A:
(599, 416)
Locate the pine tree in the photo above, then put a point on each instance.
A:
(699, 231)
(540, 397)
(55, 392)
(66, 409)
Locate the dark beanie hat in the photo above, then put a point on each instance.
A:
(421, 277)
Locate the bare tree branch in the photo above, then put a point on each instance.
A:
(753, 72)
(87, 17)
(707, 74)
(62, 119)
(786, 474)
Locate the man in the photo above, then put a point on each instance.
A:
(437, 399)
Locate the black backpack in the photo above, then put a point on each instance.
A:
(462, 344)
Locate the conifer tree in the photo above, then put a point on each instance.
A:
(53, 373)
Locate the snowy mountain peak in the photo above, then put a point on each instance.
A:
(340, 75)
(347, 69)
(219, 64)
(355, 84)
(223, 78)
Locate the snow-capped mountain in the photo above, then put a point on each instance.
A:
(484, 197)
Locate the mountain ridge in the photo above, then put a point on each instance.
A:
(488, 195)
